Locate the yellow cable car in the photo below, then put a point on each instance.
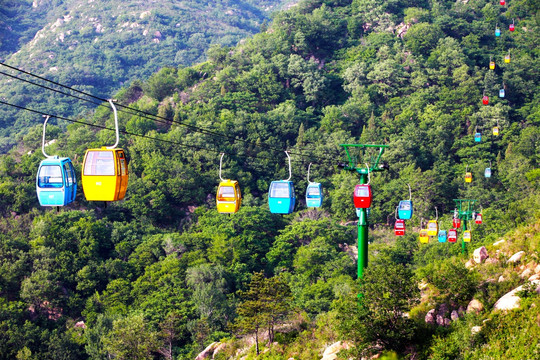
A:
(495, 131)
(467, 236)
(424, 237)
(228, 197)
(468, 177)
(492, 65)
(507, 58)
(105, 172)
(432, 228)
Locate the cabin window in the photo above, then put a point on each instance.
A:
(50, 176)
(280, 190)
(99, 163)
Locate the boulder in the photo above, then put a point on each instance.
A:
(443, 310)
(516, 257)
(537, 269)
(447, 322)
(534, 277)
(480, 254)
(500, 242)
(430, 317)
(469, 264)
(476, 329)
(491, 260)
(511, 300)
(526, 273)
(454, 315)
(207, 353)
(501, 278)
(330, 353)
(475, 306)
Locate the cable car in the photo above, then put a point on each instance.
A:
(281, 197)
(228, 197)
(432, 227)
(405, 209)
(496, 131)
(507, 58)
(424, 237)
(314, 193)
(452, 235)
(492, 65)
(503, 2)
(511, 27)
(467, 236)
(497, 32)
(362, 196)
(456, 223)
(105, 172)
(478, 219)
(56, 184)
(487, 172)
(478, 137)
(501, 93)
(468, 177)
(485, 99)
(442, 236)
(399, 227)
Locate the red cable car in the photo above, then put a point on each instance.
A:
(362, 196)
(478, 219)
(503, 2)
(485, 99)
(456, 223)
(399, 227)
(511, 27)
(452, 235)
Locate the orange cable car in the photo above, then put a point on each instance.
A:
(228, 196)
(105, 171)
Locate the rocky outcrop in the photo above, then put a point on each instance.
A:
(475, 306)
(208, 352)
(480, 254)
(330, 353)
(511, 300)
(516, 258)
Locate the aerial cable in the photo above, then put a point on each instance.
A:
(196, 128)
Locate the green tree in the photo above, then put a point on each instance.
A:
(131, 338)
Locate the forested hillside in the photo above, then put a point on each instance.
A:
(99, 46)
(162, 274)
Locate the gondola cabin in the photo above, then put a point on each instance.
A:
(503, 2)
(362, 196)
(452, 235)
(399, 227)
(492, 65)
(507, 58)
(56, 183)
(432, 227)
(405, 209)
(496, 131)
(456, 223)
(485, 100)
(511, 27)
(487, 172)
(228, 197)
(468, 177)
(497, 33)
(467, 236)
(442, 236)
(314, 195)
(501, 93)
(478, 219)
(424, 237)
(105, 174)
(477, 137)
(281, 197)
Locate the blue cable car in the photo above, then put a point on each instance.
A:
(281, 197)
(497, 32)
(442, 236)
(501, 93)
(477, 137)
(487, 172)
(56, 184)
(405, 209)
(314, 195)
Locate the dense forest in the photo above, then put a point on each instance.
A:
(161, 274)
(98, 46)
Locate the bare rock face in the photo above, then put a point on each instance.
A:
(475, 306)
(480, 254)
(454, 315)
(516, 258)
(208, 352)
(443, 310)
(500, 242)
(476, 329)
(526, 273)
(440, 320)
(469, 264)
(534, 277)
(430, 317)
(511, 300)
(330, 353)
